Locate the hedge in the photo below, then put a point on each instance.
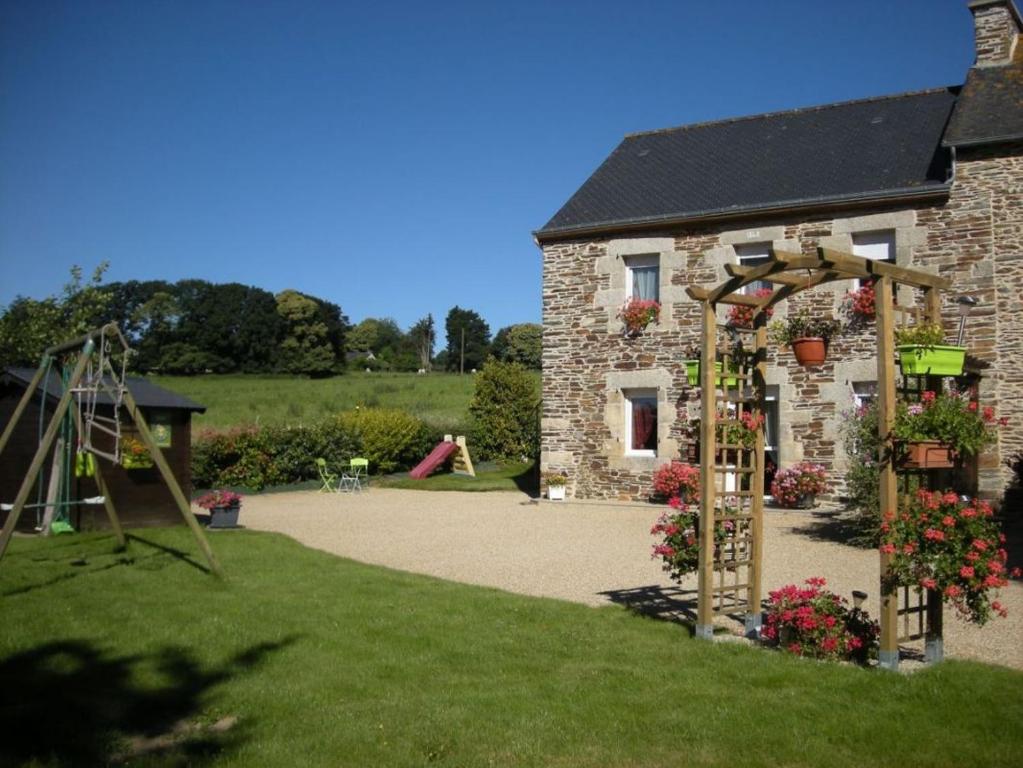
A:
(256, 457)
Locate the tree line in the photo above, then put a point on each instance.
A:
(195, 326)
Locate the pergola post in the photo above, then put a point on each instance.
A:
(888, 655)
(754, 614)
(708, 476)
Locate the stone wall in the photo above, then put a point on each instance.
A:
(975, 238)
(995, 32)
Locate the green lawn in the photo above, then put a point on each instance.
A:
(441, 399)
(326, 662)
(513, 476)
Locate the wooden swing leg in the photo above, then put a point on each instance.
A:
(53, 491)
(172, 482)
(44, 446)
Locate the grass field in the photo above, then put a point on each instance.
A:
(302, 658)
(440, 399)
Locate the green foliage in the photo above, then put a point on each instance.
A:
(505, 413)
(863, 447)
(390, 439)
(422, 336)
(257, 457)
(803, 325)
(924, 335)
(305, 346)
(28, 326)
(522, 343)
(468, 325)
(950, 418)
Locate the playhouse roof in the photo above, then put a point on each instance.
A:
(146, 394)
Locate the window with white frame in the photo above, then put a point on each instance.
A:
(643, 278)
(640, 422)
(753, 255)
(879, 246)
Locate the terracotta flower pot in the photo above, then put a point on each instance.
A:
(928, 454)
(810, 350)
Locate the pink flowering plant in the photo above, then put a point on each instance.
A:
(743, 434)
(741, 316)
(637, 314)
(948, 543)
(953, 419)
(677, 479)
(815, 622)
(219, 498)
(803, 479)
(859, 305)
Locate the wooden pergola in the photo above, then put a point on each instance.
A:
(731, 530)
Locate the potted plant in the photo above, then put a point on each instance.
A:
(921, 352)
(807, 335)
(741, 315)
(692, 364)
(556, 483)
(797, 486)
(637, 314)
(134, 454)
(223, 507)
(948, 544)
(859, 305)
(941, 426)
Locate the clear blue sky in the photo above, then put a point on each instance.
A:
(390, 157)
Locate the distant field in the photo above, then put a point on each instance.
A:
(441, 399)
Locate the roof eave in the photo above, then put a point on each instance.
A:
(541, 236)
(986, 140)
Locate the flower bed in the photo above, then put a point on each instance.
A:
(813, 621)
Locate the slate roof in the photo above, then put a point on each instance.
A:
(990, 108)
(878, 148)
(146, 394)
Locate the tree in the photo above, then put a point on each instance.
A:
(236, 326)
(522, 343)
(29, 326)
(476, 339)
(305, 346)
(422, 337)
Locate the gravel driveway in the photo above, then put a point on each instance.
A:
(586, 553)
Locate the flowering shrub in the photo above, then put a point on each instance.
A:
(803, 325)
(741, 316)
(743, 434)
(134, 454)
(219, 499)
(637, 314)
(952, 419)
(679, 529)
(677, 479)
(815, 622)
(943, 542)
(859, 305)
(803, 479)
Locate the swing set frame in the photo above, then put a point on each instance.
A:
(92, 349)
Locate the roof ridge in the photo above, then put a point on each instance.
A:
(797, 110)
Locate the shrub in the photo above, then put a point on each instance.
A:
(951, 418)
(863, 447)
(803, 479)
(504, 413)
(943, 542)
(390, 439)
(815, 622)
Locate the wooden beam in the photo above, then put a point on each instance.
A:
(172, 482)
(753, 617)
(887, 487)
(44, 447)
(905, 275)
(708, 478)
(23, 403)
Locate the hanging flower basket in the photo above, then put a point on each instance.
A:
(134, 454)
(693, 374)
(927, 454)
(933, 360)
(810, 351)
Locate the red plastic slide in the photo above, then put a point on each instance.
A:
(437, 457)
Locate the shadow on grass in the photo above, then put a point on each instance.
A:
(70, 703)
(670, 604)
(528, 481)
(177, 554)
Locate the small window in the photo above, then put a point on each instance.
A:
(643, 278)
(864, 393)
(879, 246)
(641, 422)
(753, 255)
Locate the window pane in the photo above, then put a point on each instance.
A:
(644, 424)
(753, 255)
(644, 283)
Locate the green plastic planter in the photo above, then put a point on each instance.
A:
(693, 374)
(917, 360)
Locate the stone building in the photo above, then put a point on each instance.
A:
(932, 180)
